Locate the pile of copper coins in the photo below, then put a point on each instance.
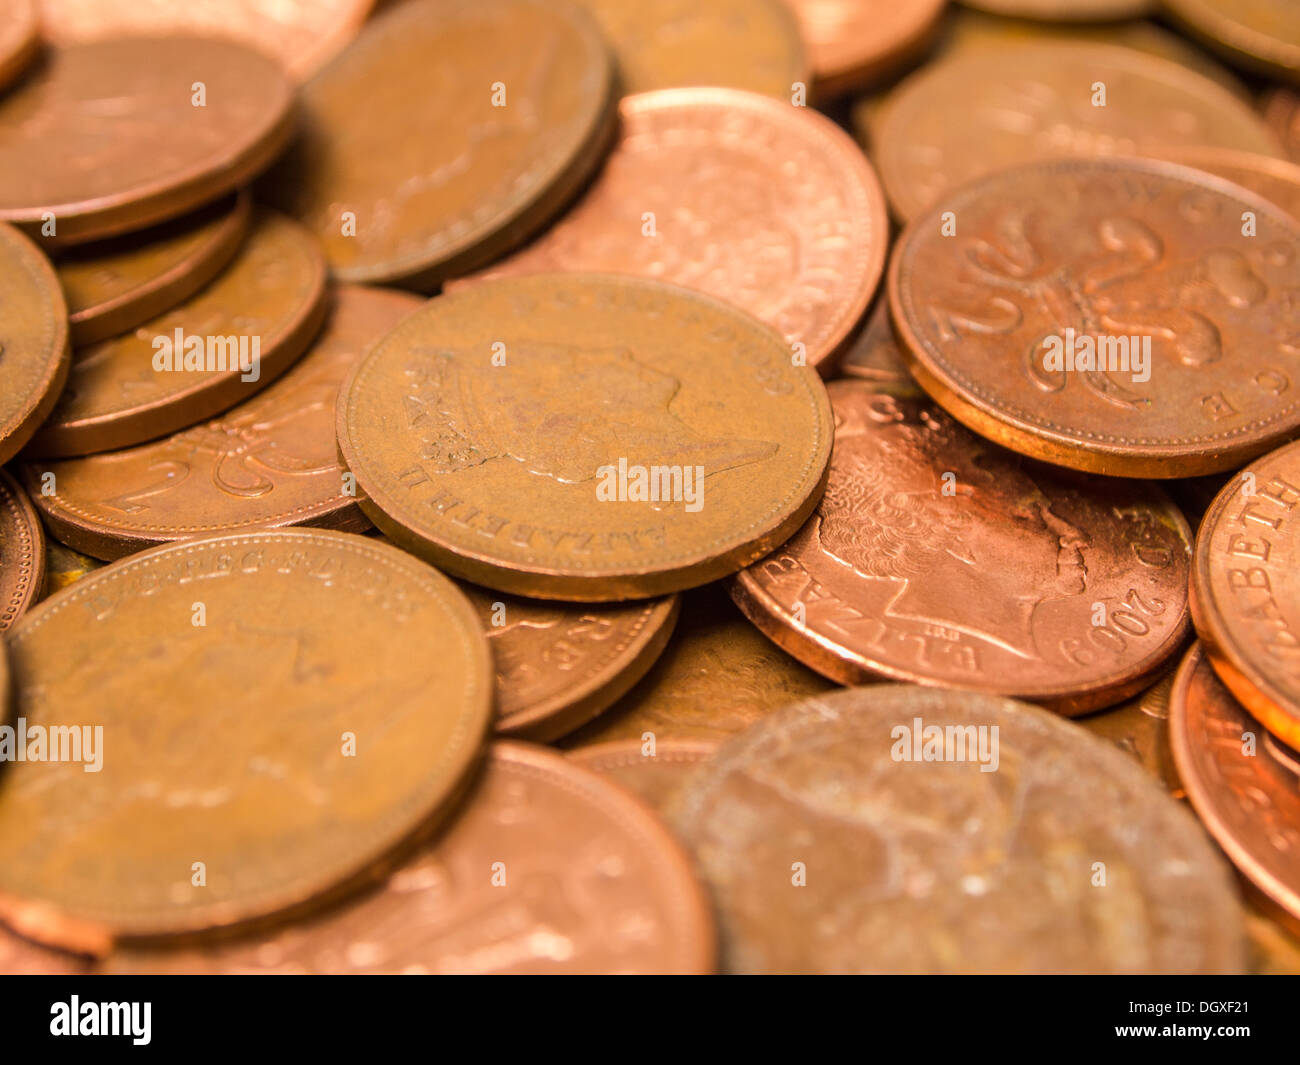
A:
(677, 486)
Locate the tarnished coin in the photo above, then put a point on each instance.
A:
(585, 436)
(898, 829)
(1263, 35)
(222, 345)
(22, 553)
(1066, 10)
(975, 112)
(549, 868)
(20, 40)
(114, 285)
(939, 558)
(34, 352)
(1125, 317)
(296, 707)
(1282, 113)
(520, 106)
(742, 44)
(655, 775)
(1244, 784)
(301, 34)
(558, 665)
(115, 135)
(767, 206)
(1246, 589)
(1140, 726)
(64, 566)
(1274, 179)
(853, 43)
(716, 677)
(874, 355)
(272, 461)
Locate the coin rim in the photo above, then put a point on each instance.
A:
(28, 526)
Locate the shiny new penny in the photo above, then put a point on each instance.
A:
(20, 39)
(22, 553)
(1263, 35)
(939, 558)
(548, 868)
(1054, 260)
(1282, 113)
(34, 352)
(978, 111)
(508, 432)
(1246, 589)
(1244, 784)
(117, 284)
(1140, 727)
(717, 676)
(656, 777)
(767, 206)
(874, 355)
(272, 461)
(520, 104)
(663, 44)
(301, 34)
(853, 43)
(196, 360)
(107, 137)
(287, 708)
(558, 665)
(980, 856)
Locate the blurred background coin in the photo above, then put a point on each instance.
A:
(20, 40)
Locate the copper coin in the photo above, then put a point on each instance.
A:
(1140, 727)
(270, 462)
(1274, 179)
(197, 359)
(20, 39)
(1282, 113)
(1244, 784)
(558, 665)
(664, 44)
(301, 34)
(510, 432)
(117, 284)
(1246, 589)
(939, 558)
(892, 830)
(655, 772)
(1066, 10)
(297, 705)
(521, 105)
(1191, 322)
(853, 43)
(21, 957)
(112, 136)
(1263, 35)
(63, 567)
(975, 112)
(767, 206)
(549, 868)
(22, 553)
(34, 352)
(875, 356)
(717, 676)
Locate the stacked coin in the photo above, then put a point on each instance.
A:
(489, 489)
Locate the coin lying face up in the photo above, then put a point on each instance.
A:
(901, 829)
(248, 722)
(938, 557)
(1124, 317)
(585, 437)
